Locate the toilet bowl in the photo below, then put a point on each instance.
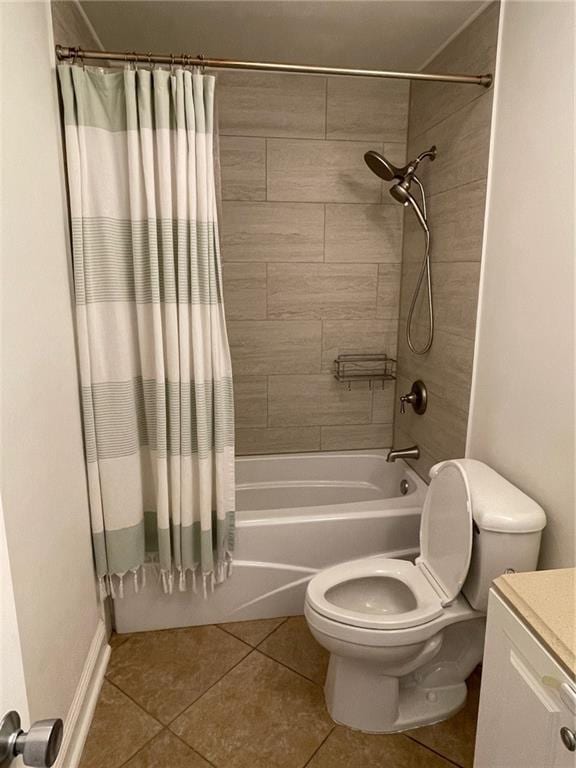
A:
(402, 636)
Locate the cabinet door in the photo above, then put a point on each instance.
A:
(521, 712)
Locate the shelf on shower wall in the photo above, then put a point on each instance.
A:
(368, 367)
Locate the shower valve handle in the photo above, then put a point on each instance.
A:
(417, 398)
(410, 398)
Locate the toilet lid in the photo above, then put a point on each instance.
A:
(446, 530)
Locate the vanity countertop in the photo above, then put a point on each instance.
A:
(546, 602)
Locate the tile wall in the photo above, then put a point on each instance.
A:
(457, 119)
(311, 252)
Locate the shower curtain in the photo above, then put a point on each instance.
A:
(154, 360)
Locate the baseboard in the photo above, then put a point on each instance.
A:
(84, 703)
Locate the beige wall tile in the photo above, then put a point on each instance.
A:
(281, 440)
(244, 291)
(474, 50)
(363, 233)
(455, 289)
(372, 336)
(457, 223)
(426, 461)
(457, 119)
(384, 403)
(321, 290)
(367, 110)
(320, 171)
(447, 368)
(388, 299)
(250, 401)
(243, 167)
(272, 231)
(269, 104)
(69, 23)
(355, 438)
(463, 141)
(314, 400)
(270, 346)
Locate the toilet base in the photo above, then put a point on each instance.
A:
(365, 701)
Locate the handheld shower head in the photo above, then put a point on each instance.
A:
(402, 180)
(401, 193)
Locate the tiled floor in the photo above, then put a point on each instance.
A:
(245, 695)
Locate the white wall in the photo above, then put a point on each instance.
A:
(41, 459)
(522, 411)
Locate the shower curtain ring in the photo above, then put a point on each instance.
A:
(202, 64)
(171, 63)
(134, 60)
(150, 62)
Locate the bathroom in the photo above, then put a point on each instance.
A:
(359, 550)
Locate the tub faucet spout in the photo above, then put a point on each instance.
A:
(403, 453)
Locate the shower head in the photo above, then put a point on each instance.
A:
(403, 177)
(382, 167)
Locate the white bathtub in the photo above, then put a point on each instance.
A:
(296, 515)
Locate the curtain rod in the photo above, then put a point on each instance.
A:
(64, 53)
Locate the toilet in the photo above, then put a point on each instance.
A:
(402, 636)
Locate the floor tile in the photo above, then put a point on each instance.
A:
(293, 645)
(252, 632)
(167, 751)
(116, 641)
(119, 729)
(352, 749)
(166, 671)
(455, 738)
(261, 715)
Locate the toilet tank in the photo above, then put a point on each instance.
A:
(495, 553)
(507, 528)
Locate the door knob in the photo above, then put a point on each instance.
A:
(39, 747)
(568, 738)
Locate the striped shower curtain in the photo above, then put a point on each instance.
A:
(154, 359)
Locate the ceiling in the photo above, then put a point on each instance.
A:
(378, 34)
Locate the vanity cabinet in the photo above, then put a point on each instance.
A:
(526, 701)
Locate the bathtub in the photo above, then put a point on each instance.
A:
(296, 514)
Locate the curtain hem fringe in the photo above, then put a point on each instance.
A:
(112, 584)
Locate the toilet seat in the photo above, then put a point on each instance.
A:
(413, 600)
(384, 593)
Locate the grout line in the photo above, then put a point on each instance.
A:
(117, 645)
(187, 707)
(369, 144)
(128, 696)
(165, 725)
(326, 108)
(320, 745)
(430, 749)
(183, 741)
(146, 744)
(267, 290)
(413, 137)
(290, 669)
(273, 631)
(253, 647)
(266, 170)
(294, 201)
(324, 235)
